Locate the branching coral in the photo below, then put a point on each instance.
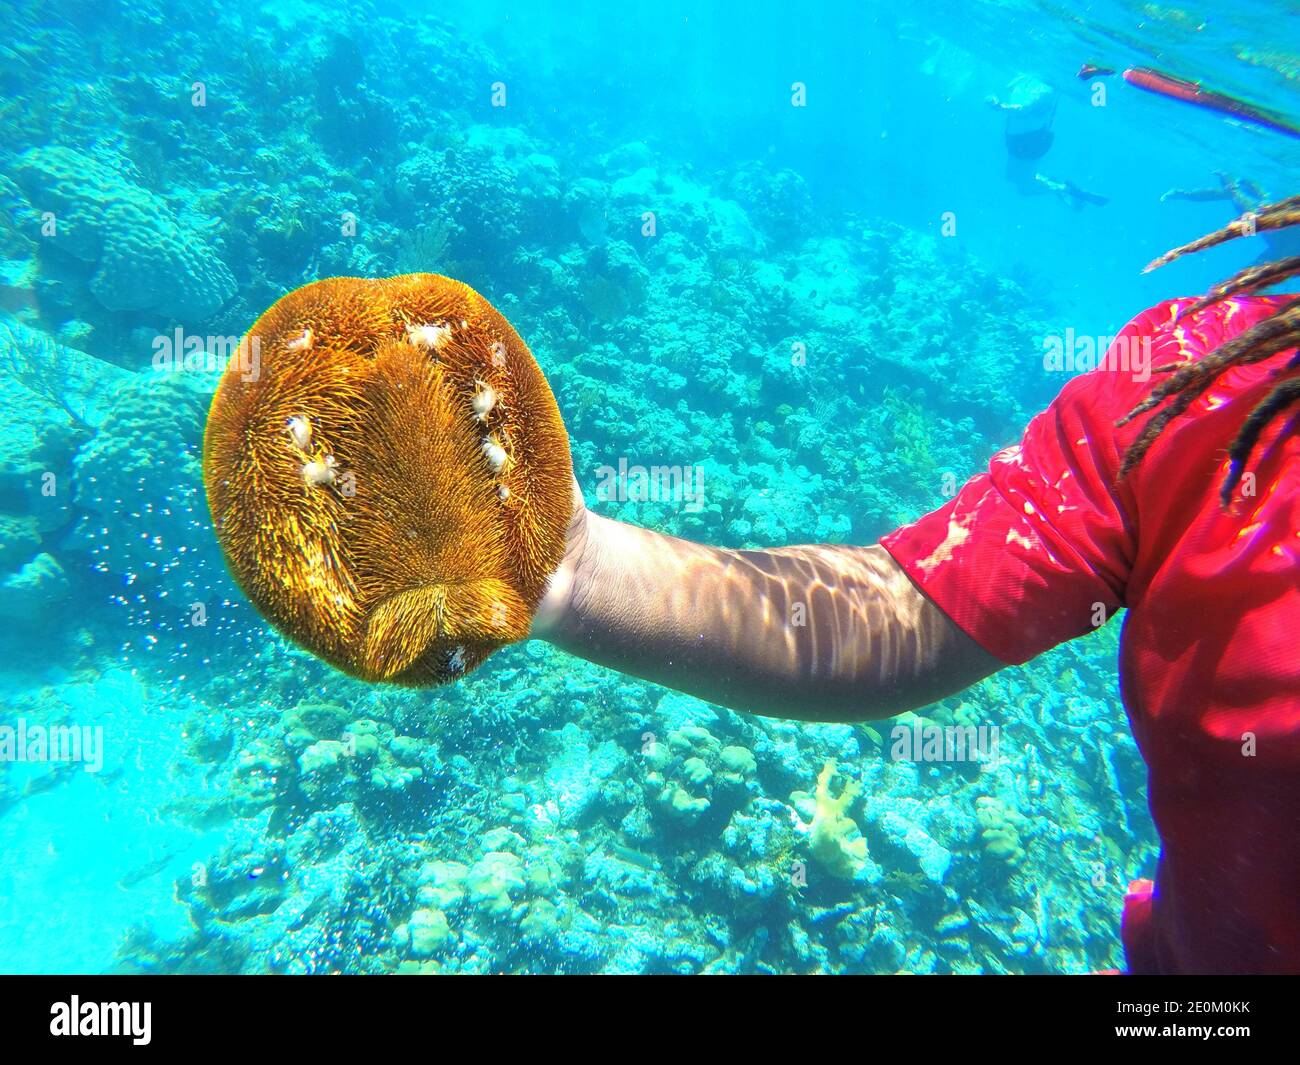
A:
(912, 433)
(425, 247)
(44, 368)
(834, 837)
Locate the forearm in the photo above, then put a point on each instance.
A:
(822, 633)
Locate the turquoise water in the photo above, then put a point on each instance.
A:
(826, 176)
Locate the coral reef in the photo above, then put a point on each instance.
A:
(143, 257)
(542, 815)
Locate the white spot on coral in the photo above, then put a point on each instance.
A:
(302, 342)
(299, 427)
(456, 659)
(503, 493)
(429, 336)
(484, 400)
(494, 453)
(320, 471)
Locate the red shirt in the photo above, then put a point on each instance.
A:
(1210, 649)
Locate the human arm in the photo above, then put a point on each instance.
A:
(1030, 553)
(817, 633)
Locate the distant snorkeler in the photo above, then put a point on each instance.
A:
(1246, 197)
(1092, 70)
(1030, 109)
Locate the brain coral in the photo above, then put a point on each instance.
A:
(393, 486)
(145, 259)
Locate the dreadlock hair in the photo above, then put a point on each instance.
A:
(1281, 330)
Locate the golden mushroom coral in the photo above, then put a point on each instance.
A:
(370, 502)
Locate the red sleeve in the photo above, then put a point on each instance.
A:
(1030, 553)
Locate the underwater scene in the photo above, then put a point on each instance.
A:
(790, 275)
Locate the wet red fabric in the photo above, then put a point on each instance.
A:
(1045, 544)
